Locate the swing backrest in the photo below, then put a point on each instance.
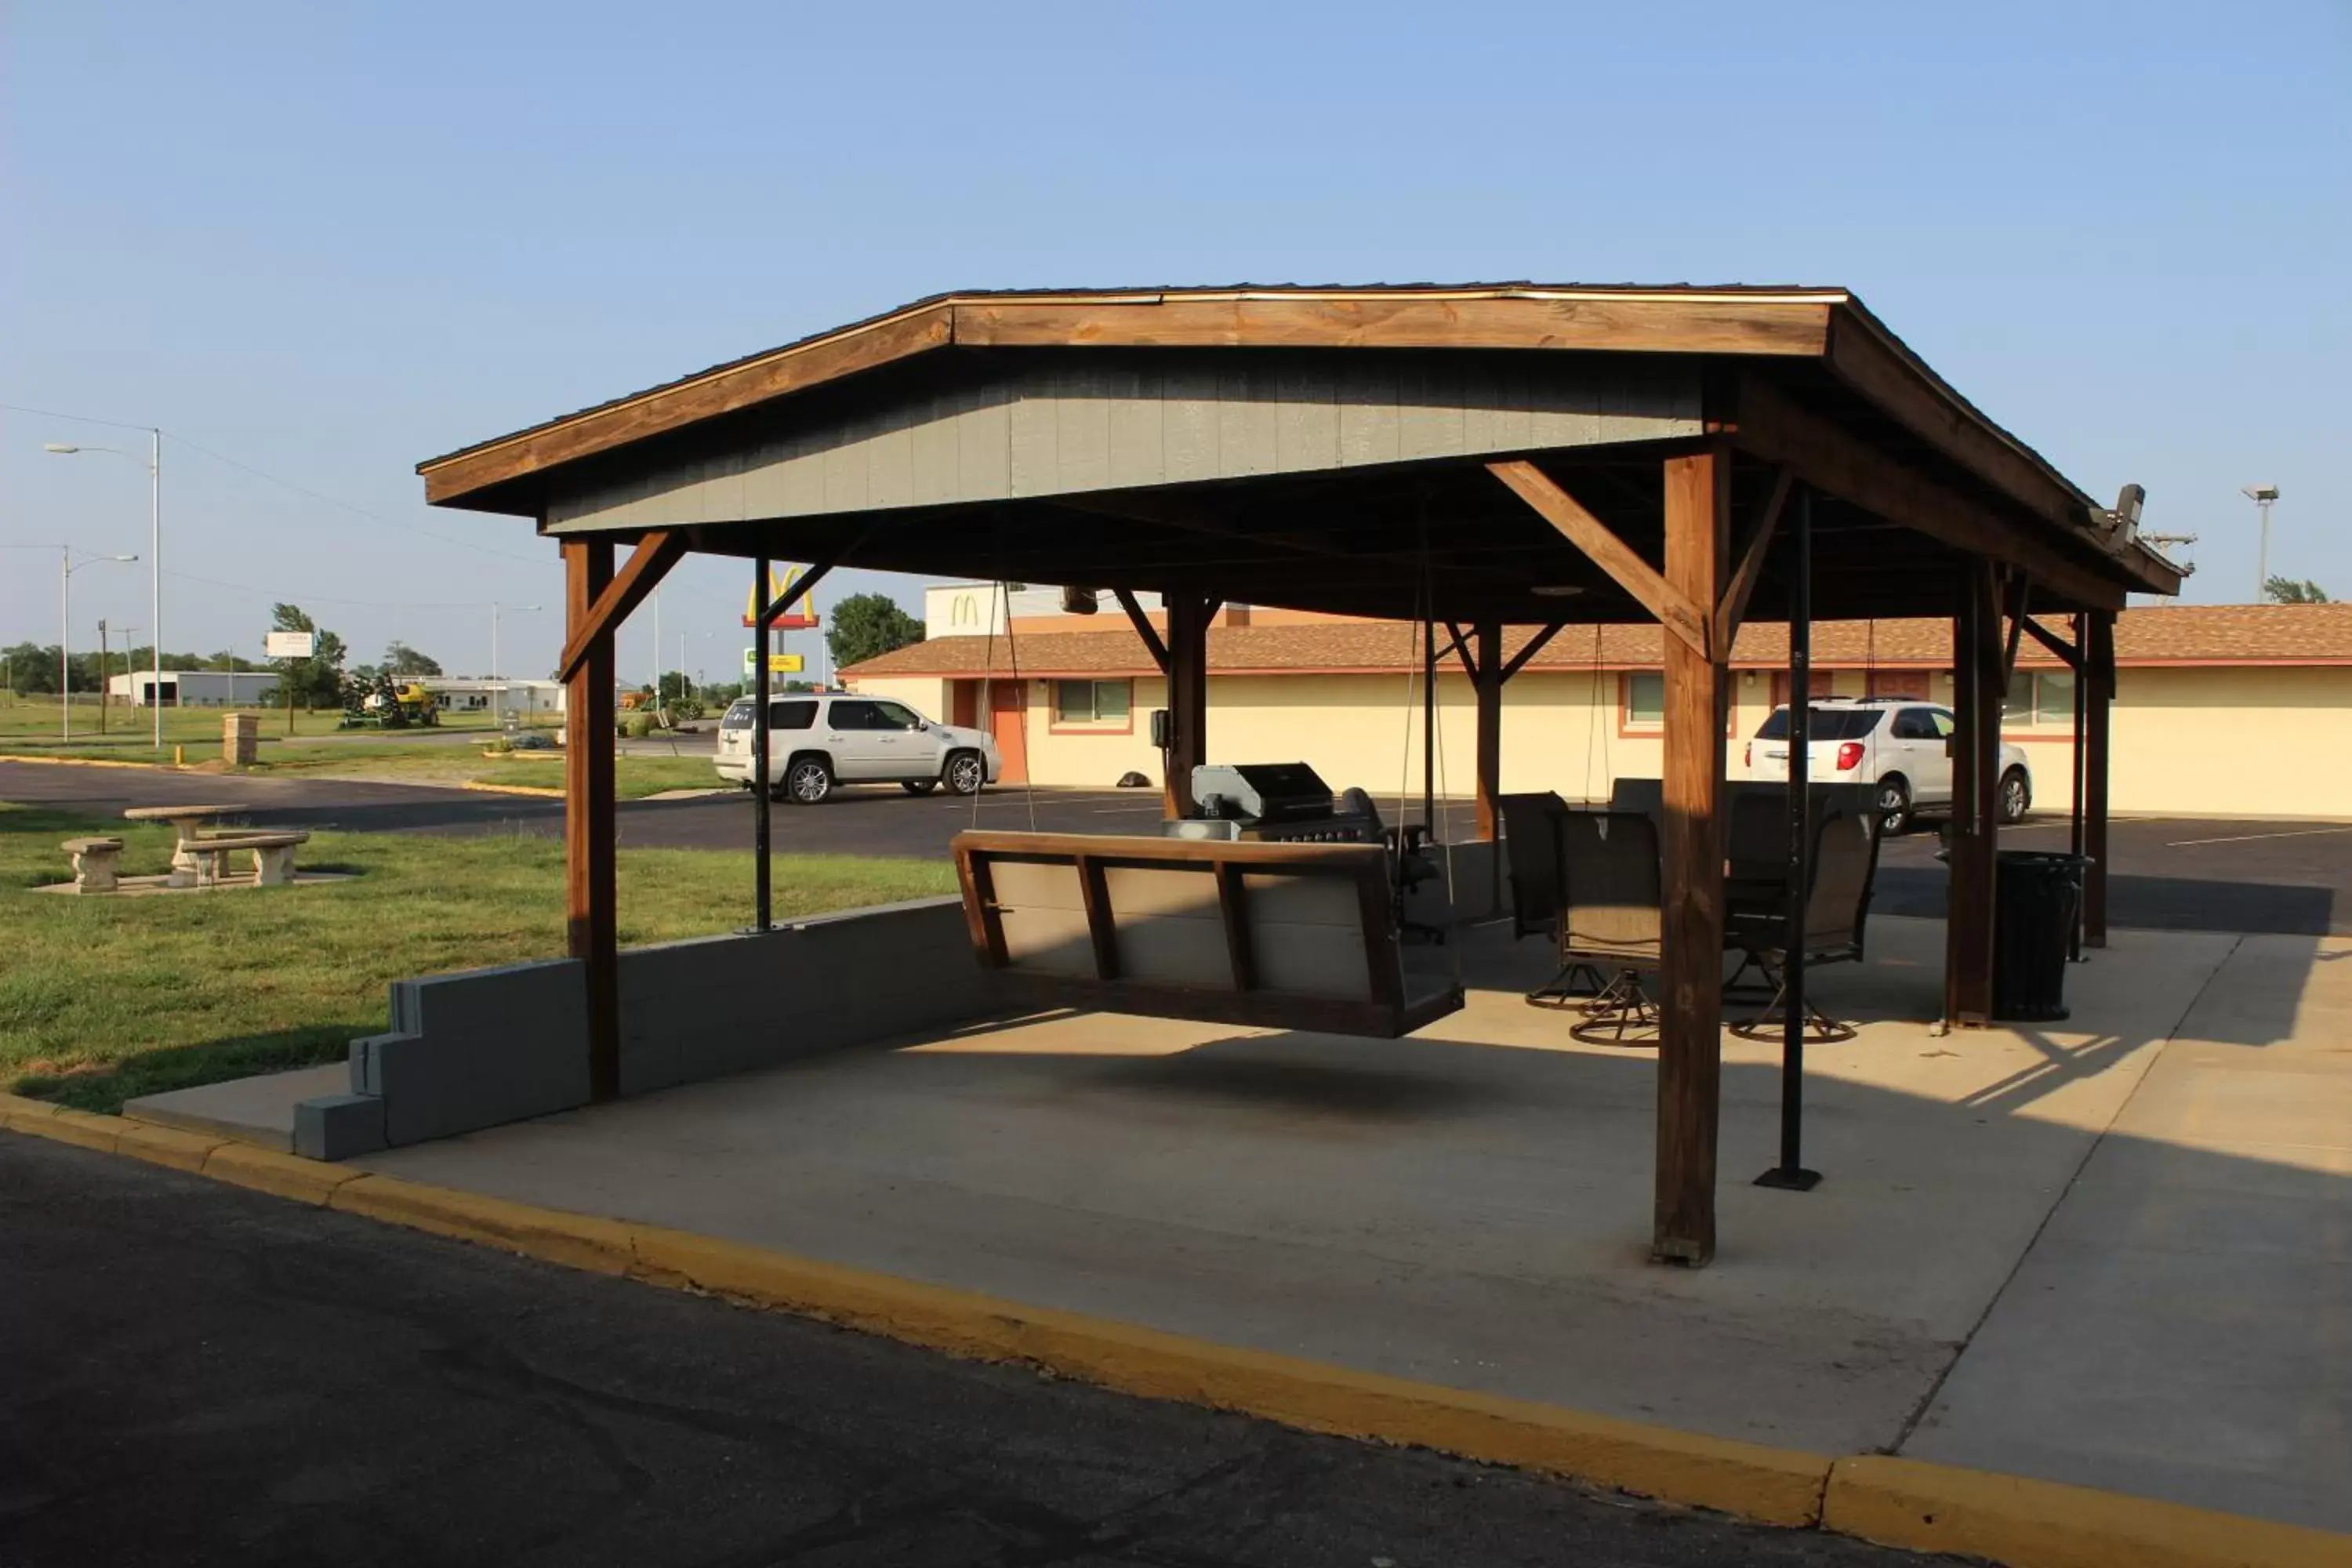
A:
(1283, 935)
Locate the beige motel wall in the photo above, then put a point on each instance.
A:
(2214, 740)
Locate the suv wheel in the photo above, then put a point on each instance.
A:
(918, 786)
(1893, 805)
(808, 780)
(965, 773)
(2015, 795)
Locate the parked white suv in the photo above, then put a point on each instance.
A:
(1902, 745)
(818, 739)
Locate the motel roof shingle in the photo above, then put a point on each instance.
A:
(2158, 635)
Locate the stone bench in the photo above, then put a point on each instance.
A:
(97, 863)
(273, 854)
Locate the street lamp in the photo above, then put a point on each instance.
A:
(497, 682)
(2261, 496)
(155, 552)
(67, 567)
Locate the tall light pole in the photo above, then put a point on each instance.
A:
(67, 567)
(497, 682)
(2261, 496)
(154, 553)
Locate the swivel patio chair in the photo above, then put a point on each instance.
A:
(1837, 911)
(1531, 838)
(1610, 919)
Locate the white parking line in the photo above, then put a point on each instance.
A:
(2250, 837)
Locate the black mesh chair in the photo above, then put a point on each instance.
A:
(1539, 879)
(1837, 913)
(1612, 919)
(1409, 861)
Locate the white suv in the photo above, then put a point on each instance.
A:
(1902, 745)
(820, 738)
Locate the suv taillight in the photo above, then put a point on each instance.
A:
(1849, 756)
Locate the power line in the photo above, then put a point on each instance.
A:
(328, 599)
(299, 489)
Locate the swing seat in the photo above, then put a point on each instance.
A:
(1293, 936)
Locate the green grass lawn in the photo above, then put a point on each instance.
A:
(105, 998)
(32, 724)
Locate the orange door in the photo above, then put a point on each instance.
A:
(1008, 722)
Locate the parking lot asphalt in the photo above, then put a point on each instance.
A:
(201, 1375)
(2167, 873)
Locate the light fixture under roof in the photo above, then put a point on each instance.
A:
(1557, 590)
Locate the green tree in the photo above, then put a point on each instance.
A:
(404, 662)
(316, 681)
(674, 687)
(868, 626)
(32, 669)
(2287, 591)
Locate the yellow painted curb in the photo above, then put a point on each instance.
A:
(1773, 1485)
(541, 790)
(165, 1146)
(17, 1111)
(80, 762)
(281, 1175)
(577, 1241)
(81, 1126)
(2044, 1524)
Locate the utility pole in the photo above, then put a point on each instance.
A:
(104, 659)
(2261, 496)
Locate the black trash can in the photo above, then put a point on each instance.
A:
(2036, 894)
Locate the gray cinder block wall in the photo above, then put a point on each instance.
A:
(484, 1047)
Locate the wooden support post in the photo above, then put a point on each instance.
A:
(1690, 1040)
(1187, 696)
(589, 890)
(1487, 680)
(1977, 693)
(2099, 676)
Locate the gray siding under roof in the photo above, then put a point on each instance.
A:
(1065, 425)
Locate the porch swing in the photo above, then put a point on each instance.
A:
(1290, 935)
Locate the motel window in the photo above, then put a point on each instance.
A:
(1092, 704)
(1646, 700)
(2039, 699)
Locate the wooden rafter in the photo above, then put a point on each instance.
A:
(1734, 607)
(1831, 460)
(2066, 652)
(1535, 645)
(2019, 588)
(656, 553)
(800, 588)
(1143, 628)
(1649, 588)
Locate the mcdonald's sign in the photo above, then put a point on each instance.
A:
(799, 617)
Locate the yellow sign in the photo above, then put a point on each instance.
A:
(797, 617)
(778, 664)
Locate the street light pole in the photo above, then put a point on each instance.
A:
(66, 569)
(2261, 496)
(155, 552)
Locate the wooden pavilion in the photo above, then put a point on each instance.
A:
(1501, 460)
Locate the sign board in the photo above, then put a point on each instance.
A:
(291, 645)
(797, 617)
(778, 664)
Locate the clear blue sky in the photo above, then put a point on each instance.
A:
(330, 241)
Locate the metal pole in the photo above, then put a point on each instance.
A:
(102, 661)
(1791, 1172)
(760, 741)
(2079, 778)
(64, 639)
(1429, 727)
(155, 575)
(2263, 559)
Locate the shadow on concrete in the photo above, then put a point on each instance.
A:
(2151, 903)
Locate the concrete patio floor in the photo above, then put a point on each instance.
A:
(2116, 1253)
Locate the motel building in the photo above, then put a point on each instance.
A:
(2219, 710)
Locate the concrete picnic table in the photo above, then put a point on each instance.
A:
(188, 821)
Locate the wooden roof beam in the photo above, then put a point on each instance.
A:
(647, 565)
(1648, 586)
(1769, 425)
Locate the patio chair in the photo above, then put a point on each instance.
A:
(1531, 837)
(1610, 919)
(1837, 911)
